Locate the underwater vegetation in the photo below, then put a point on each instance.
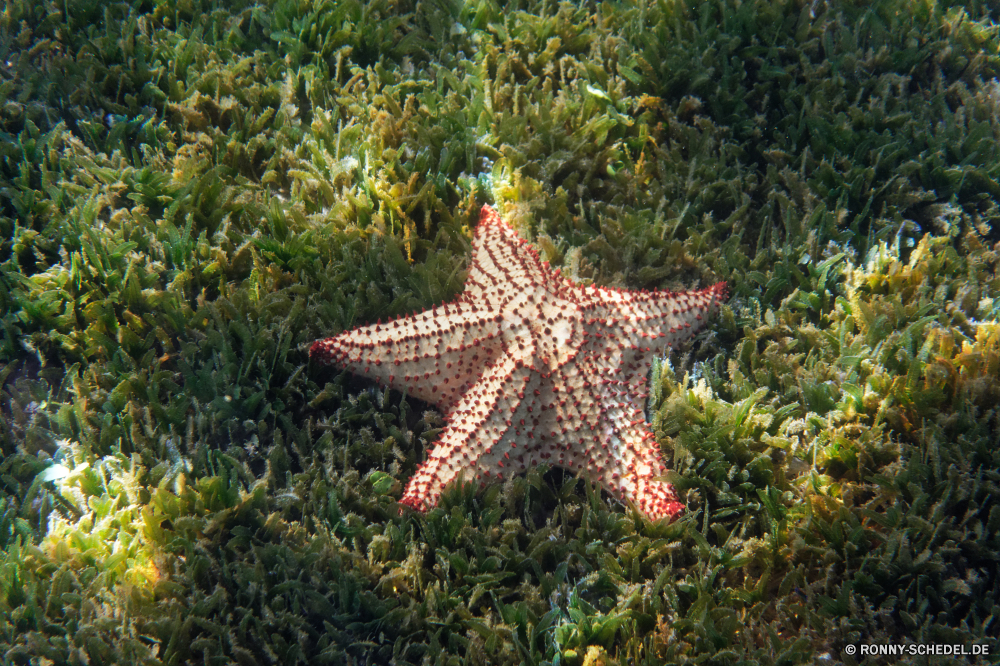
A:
(192, 191)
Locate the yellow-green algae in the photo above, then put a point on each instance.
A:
(190, 192)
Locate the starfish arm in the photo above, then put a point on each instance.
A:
(643, 470)
(639, 464)
(435, 356)
(504, 265)
(475, 428)
(656, 319)
(648, 324)
(598, 428)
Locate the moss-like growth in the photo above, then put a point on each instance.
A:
(191, 192)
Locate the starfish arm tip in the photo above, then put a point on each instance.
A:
(319, 351)
(720, 290)
(489, 214)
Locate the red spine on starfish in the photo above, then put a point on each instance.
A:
(529, 367)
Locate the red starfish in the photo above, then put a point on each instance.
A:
(529, 367)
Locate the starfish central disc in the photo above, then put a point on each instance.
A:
(529, 367)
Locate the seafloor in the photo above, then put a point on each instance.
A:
(192, 191)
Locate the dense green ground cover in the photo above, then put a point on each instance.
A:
(193, 191)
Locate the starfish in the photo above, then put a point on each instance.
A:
(528, 368)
